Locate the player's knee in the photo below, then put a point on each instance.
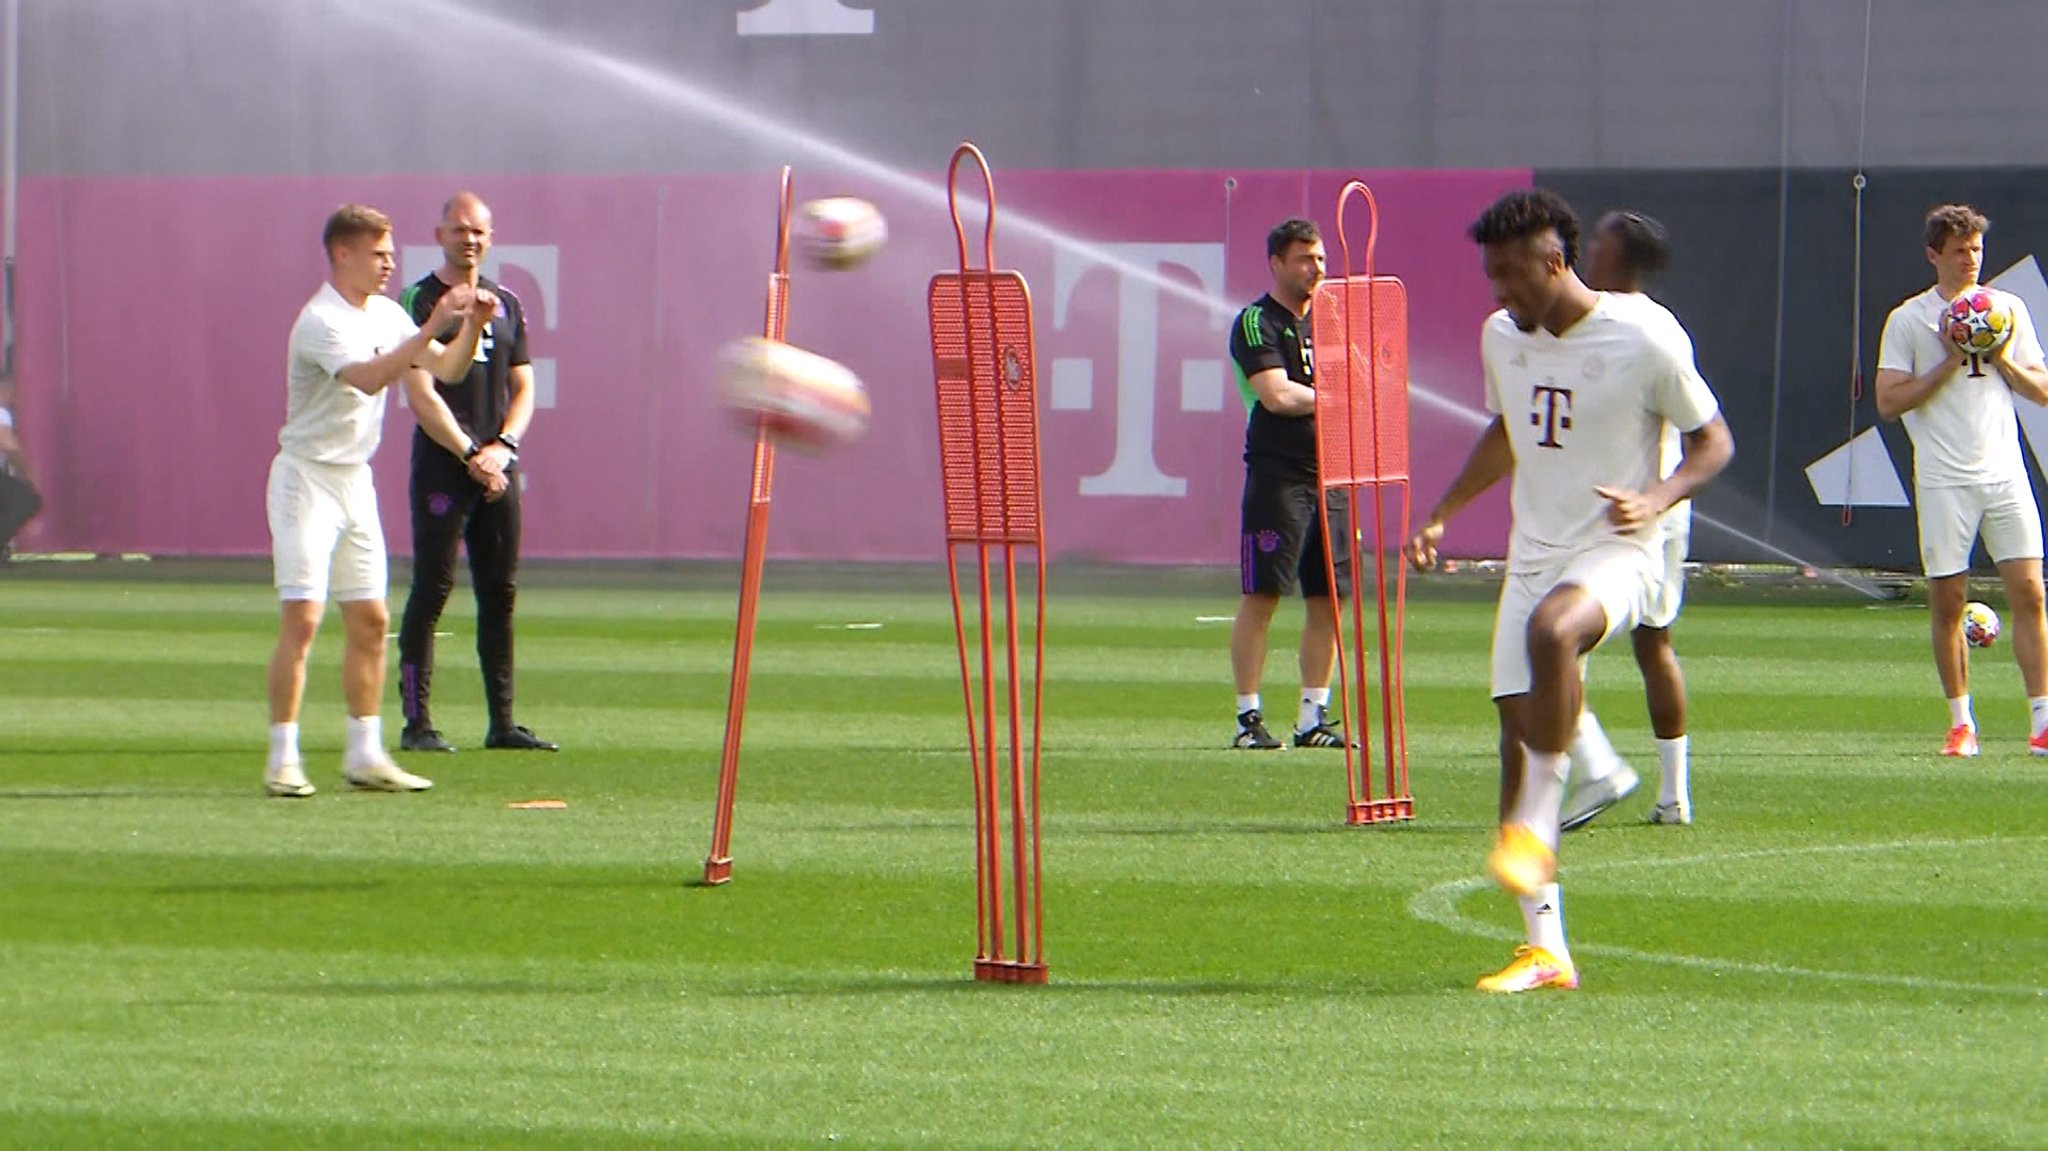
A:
(1258, 608)
(2025, 598)
(1552, 636)
(369, 621)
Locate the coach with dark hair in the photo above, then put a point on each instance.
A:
(1280, 547)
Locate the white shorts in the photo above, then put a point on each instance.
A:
(1669, 597)
(1951, 519)
(1621, 576)
(324, 523)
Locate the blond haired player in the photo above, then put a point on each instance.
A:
(1968, 476)
(349, 345)
(1581, 389)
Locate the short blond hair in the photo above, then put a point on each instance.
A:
(351, 222)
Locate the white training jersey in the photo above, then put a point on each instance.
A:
(1671, 451)
(325, 420)
(1966, 432)
(1585, 409)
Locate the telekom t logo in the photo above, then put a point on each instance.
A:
(1556, 413)
(1133, 469)
(543, 262)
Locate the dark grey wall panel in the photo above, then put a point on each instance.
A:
(299, 86)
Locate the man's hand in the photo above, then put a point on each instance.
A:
(1628, 511)
(484, 306)
(450, 308)
(490, 463)
(1421, 550)
(495, 486)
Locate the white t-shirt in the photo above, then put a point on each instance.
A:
(325, 420)
(1966, 432)
(1671, 452)
(1588, 408)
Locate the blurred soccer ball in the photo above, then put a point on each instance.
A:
(806, 400)
(1978, 321)
(1980, 624)
(840, 232)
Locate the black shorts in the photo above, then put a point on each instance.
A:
(1281, 547)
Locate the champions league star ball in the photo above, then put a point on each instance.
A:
(1977, 321)
(1980, 624)
(806, 401)
(841, 232)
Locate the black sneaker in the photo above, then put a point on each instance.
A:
(1323, 734)
(1252, 733)
(518, 739)
(422, 739)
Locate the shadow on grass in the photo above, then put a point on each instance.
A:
(7, 794)
(856, 986)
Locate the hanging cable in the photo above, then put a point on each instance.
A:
(1857, 183)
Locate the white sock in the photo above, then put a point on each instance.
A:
(1959, 713)
(284, 742)
(1247, 703)
(1671, 754)
(365, 736)
(1592, 755)
(1543, 919)
(1313, 701)
(1542, 794)
(2037, 708)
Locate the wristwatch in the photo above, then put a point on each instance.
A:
(474, 448)
(510, 441)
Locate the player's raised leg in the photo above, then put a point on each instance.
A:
(1603, 779)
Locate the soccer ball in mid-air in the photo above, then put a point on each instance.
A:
(840, 232)
(1980, 624)
(1977, 321)
(804, 399)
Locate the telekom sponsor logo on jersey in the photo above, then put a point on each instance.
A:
(1552, 411)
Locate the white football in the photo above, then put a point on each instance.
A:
(841, 232)
(804, 399)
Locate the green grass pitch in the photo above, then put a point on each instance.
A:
(1848, 949)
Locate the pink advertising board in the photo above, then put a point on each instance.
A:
(153, 316)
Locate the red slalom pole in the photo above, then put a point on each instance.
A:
(718, 864)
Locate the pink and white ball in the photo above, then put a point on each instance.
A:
(840, 232)
(1980, 624)
(805, 400)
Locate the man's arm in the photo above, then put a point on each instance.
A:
(1899, 392)
(2020, 359)
(1492, 459)
(1282, 396)
(15, 452)
(379, 372)
(450, 363)
(495, 456)
(434, 415)
(1707, 450)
